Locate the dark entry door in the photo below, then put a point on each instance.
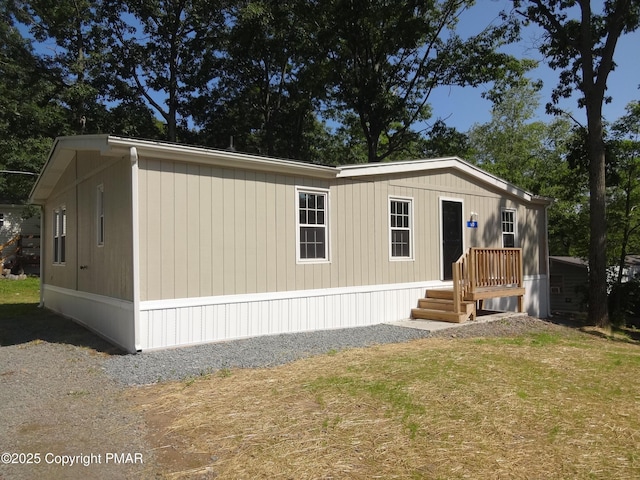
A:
(451, 235)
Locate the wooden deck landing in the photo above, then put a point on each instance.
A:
(479, 274)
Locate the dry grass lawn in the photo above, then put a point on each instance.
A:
(550, 405)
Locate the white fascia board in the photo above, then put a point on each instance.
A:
(65, 148)
(368, 169)
(62, 152)
(351, 171)
(220, 158)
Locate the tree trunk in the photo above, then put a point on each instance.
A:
(598, 311)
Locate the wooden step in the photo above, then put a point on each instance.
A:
(439, 293)
(440, 315)
(444, 304)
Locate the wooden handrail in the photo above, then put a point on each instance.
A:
(484, 268)
(461, 281)
(496, 267)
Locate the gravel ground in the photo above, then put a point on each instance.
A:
(268, 351)
(56, 401)
(62, 388)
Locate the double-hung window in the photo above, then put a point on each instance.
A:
(508, 228)
(1, 219)
(100, 215)
(312, 206)
(400, 226)
(59, 235)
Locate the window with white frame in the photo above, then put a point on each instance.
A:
(508, 228)
(1, 219)
(59, 235)
(400, 225)
(312, 207)
(556, 282)
(100, 215)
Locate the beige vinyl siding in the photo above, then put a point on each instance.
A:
(209, 231)
(109, 267)
(64, 194)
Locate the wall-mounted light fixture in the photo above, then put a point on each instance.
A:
(474, 217)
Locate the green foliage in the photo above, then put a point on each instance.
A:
(30, 111)
(443, 141)
(534, 156)
(624, 303)
(384, 59)
(270, 84)
(158, 50)
(623, 217)
(580, 44)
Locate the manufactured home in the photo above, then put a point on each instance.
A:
(156, 245)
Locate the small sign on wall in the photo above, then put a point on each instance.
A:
(472, 224)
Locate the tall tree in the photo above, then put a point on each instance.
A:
(624, 194)
(515, 146)
(267, 94)
(31, 111)
(385, 57)
(511, 144)
(444, 141)
(532, 154)
(159, 51)
(64, 30)
(581, 44)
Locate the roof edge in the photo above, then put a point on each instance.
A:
(64, 148)
(350, 171)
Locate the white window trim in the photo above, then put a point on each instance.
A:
(327, 251)
(100, 226)
(59, 221)
(411, 256)
(515, 227)
(1, 219)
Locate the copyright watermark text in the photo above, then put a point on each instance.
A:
(84, 459)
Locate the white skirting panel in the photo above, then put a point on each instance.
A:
(168, 323)
(536, 298)
(190, 321)
(110, 318)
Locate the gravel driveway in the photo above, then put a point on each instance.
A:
(56, 401)
(62, 388)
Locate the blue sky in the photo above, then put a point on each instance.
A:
(462, 107)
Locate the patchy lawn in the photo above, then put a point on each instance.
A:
(558, 404)
(22, 321)
(547, 405)
(18, 292)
